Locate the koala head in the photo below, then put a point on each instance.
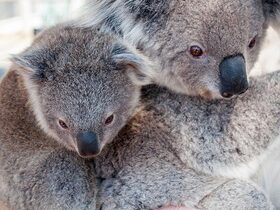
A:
(83, 85)
(213, 45)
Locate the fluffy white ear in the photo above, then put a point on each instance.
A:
(272, 12)
(140, 68)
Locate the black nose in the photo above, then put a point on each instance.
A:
(233, 76)
(88, 144)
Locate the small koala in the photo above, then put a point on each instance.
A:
(183, 150)
(203, 47)
(74, 86)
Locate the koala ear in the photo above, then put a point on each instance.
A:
(32, 63)
(24, 64)
(140, 68)
(272, 12)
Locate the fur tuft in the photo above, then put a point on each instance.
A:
(113, 16)
(24, 65)
(143, 68)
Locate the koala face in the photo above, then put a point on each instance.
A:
(215, 46)
(204, 48)
(83, 86)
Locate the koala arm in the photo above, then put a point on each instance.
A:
(48, 180)
(233, 194)
(153, 183)
(184, 188)
(236, 194)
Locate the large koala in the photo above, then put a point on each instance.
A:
(185, 151)
(203, 47)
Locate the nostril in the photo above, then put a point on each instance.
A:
(227, 95)
(243, 91)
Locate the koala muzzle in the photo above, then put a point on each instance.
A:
(88, 145)
(233, 76)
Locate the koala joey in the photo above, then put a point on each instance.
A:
(203, 47)
(77, 86)
(83, 86)
(183, 150)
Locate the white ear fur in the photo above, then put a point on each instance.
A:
(140, 68)
(33, 62)
(25, 65)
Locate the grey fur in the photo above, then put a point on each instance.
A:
(178, 148)
(165, 154)
(166, 30)
(79, 75)
(144, 166)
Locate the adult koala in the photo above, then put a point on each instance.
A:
(203, 47)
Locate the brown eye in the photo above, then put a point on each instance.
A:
(253, 43)
(109, 120)
(196, 51)
(62, 124)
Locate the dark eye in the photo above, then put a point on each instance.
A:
(109, 120)
(196, 51)
(62, 124)
(252, 43)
